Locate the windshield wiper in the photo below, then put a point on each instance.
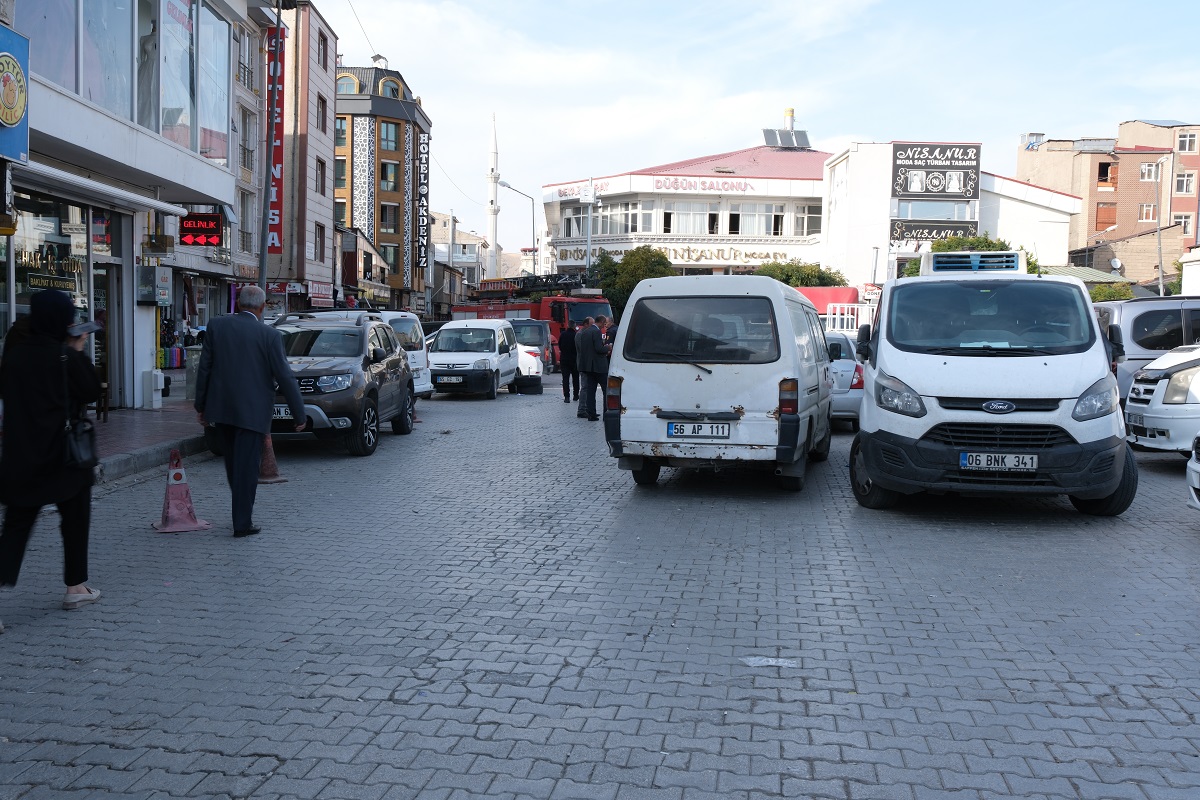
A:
(677, 359)
(988, 350)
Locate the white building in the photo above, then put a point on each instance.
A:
(887, 203)
(721, 214)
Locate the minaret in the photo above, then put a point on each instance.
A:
(493, 207)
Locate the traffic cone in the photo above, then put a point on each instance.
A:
(178, 515)
(268, 469)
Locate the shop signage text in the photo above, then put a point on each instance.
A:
(202, 229)
(697, 185)
(275, 55)
(599, 187)
(690, 255)
(935, 171)
(422, 207)
(926, 231)
(62, 283)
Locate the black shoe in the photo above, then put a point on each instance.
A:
(581, 415)
(253, 529)
(566, 399)
(593, 419)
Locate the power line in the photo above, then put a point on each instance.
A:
(360, 25)
(455, 185)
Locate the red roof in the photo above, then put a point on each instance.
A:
(753, 162)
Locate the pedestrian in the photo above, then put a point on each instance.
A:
(581, 406)
(566, 361)
(240, 365)
(592, 359)
(610, 336)
(45, 380)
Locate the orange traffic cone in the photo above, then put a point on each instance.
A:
(178, 515)
(268, 470)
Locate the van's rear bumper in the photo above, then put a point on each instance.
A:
(1088, 471)
(696, 453)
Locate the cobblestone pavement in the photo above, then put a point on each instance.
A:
(488, 608)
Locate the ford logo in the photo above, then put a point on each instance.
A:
(999, 407)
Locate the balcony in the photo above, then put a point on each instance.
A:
(247, 157)
(246, 241)
(245, 75)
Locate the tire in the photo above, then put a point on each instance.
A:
(494, 389)
(866, 492)
(791, 483)
(854, 426)
(213, 440)
(821, 451)
(1116, 503)
(647, 474)
(402, 423)
(363, 438)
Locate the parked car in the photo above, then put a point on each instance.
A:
(474, 356)
(353, 376)
(1162, 410)
(529, 371)
(847, 378)
(1151, 326)
(409, 332)
(536, 333)
(1193, 475)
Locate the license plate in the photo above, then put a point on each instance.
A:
(998, 462)
(282, 412)
(698, 430)
(1136, 419)
(450, 379)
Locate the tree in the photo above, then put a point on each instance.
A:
(981, 242)
(617, 278)
(1111, 291)
(797, 273)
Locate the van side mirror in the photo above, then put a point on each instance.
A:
(377, 355)
(1116, 343)
(504, 348)
(835, 351)
(864, 342)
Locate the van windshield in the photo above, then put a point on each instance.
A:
(996, 317)
(721, 330)
(464, 340)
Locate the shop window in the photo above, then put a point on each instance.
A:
(51, 28)
(106, 45)
(214, 79)
(177, 77)
(50, 249)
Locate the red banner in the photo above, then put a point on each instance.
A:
(275, 53)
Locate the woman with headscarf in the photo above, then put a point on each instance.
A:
(44, 379)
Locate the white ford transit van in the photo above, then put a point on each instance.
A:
(983, 379)
(715, 370)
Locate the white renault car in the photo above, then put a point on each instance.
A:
(1162, 411)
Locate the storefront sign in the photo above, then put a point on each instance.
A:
(579, 189)
(935, 171)
(320, 294)
(275, 53)
(422, 208)
(63, 284)
(14, 96)
(201, 229)
(697, 185)
(930, 231)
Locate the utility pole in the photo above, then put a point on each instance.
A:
(1158, 212)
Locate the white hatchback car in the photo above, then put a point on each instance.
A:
(1162, 411)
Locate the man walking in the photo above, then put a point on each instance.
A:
(592, 358)
(240, 365)
(566, 361)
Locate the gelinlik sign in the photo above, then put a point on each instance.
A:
(935, 171)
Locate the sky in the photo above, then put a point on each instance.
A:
(584, 90)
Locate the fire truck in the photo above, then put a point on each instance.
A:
(563, 299)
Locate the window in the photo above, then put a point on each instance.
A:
(1159, 330)
(339, 173)
(339, 212)
(390, 89)
(322, 51)
(339, 132)
(647, 216)
(1187, 143)
(246, 217)
(346, 84)
(1149, 172)
(617, 218)
(1106, 175)
(1185, 182)
(808, 220)
(319, 174)
(389, 251)
(1106, 215)
(387, 135)
(1147, 212)
(723, 330)
(1185, 220)
(687, 218)
(935, 210)
(322, 113)
(389, 173)
(319, 242)
(388, 216)
(756, 219)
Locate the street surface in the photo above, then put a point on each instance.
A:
(489, 608)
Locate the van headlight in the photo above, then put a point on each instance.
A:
(1179, 386)
(482, 363)
(334, 383)
(1100, 399)
(896, 395)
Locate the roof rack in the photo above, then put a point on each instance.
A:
(359, 318)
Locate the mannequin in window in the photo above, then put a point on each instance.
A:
(148, 78)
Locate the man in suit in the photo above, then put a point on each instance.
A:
(566, 361)
(591, 355)
(240, 365)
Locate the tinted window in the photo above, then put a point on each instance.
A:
(464, 340)
(336, 342)
(533, 335)
(407, 331)
(1193, 316)
(1158, 330)
(729, 330)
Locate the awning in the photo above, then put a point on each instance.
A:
(230, 215)
(86, 190)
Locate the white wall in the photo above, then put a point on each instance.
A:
(1027, 216)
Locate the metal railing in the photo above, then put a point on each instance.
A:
(245, 75)
(247, 157)
(246, 241)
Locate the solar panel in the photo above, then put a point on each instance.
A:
(771, 137)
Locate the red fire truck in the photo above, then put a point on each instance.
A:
(511, 298)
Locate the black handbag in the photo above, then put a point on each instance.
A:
(80, 434)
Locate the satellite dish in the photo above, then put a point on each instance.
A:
(1115, 263)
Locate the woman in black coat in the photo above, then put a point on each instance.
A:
(43, 375)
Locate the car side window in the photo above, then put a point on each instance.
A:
(1159, 330)
(803, 334)
(374, 341)
(391, 344)
(1193, 318)
(820, 344)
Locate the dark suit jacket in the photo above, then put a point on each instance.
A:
(241, 362)
(566, 349)
(591, 354)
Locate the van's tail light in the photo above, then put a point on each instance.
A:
(612, 394)
(789, 396)
(857, 381)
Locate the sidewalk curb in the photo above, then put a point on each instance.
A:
(119, 465)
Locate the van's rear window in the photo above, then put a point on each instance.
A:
(713, 330)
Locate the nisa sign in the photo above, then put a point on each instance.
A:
(14, 96)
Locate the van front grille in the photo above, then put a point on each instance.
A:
(1016, 437)
(1022, 404)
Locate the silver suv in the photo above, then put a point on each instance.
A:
(1150, 326)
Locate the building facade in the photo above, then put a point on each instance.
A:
(722, 214)
(381, 174)
(461, 261)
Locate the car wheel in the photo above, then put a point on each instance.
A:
(646, 474)
(363, 438)
(821, 451)
(854, 426)
(494, 389)
(213, 440)
(1117, 502)
(867, 492)
(402, 424)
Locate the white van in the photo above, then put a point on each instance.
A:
(983, 379)
(474, 356)
(716, 370)
(407, 327)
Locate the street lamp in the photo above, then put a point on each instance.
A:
(1097, 238)
(532, 221)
